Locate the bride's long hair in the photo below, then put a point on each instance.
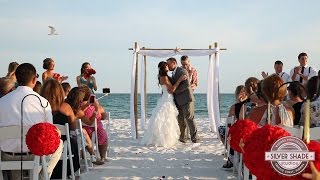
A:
(162, 70)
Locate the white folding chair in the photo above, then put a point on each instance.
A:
(94, 139)
(34, 167)
(67, 153)
(246, 172)
(240, 167)
(82, 146)
(106, 126)
(236, 160)
(229, 122)
(243, 171)
(315, 133)
(297, 132)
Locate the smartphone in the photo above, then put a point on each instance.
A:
(92, 98)
(106, 90)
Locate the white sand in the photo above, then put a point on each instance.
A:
(130, 160)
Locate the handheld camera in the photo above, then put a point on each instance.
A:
(106, 90)
(92, 98)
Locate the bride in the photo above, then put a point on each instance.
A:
(163, 129)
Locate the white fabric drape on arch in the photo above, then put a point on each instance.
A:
(212, 89)
(213, 92)
(142, 97)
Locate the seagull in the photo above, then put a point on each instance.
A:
(52, 31)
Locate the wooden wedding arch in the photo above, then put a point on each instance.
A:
(212, 88)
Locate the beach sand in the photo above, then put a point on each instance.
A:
(130, 160)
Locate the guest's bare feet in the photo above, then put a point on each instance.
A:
(104, 160)
(95, 161)
(98, 162)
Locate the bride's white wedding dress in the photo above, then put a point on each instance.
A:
(163, 129)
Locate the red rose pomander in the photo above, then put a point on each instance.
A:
(43, 139)
(241, 129)
(314, 146)
(259, 142)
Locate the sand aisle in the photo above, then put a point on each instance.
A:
(130, 160)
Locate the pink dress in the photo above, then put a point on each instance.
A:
(102, 133)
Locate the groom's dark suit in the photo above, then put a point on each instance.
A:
(184, 99)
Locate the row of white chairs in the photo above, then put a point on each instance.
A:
(239, 167)
(39, 163)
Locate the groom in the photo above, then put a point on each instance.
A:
(183, 97)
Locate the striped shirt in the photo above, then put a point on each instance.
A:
(193, 77)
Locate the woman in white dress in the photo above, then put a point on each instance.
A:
(163, 129)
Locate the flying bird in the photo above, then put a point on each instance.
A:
(52, 31)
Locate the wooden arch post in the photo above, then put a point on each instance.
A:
(136, 92)
(145, 88)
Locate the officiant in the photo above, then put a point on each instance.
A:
(193, 74)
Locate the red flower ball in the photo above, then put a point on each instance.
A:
(240, 130)
(259, 142)
(89, 73)
(56, 76)
(314, 146)
(43, 139)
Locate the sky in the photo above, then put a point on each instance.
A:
(255, 33)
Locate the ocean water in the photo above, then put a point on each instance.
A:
(119, 105)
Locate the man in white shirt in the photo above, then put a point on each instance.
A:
(33, 111)
(278, 68)
(303, 72)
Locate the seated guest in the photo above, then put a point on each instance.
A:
(37, 87)
(66, 88)
(295, 100)
(33, 112)
(65, 111)
(240, 97)
(6, 86)
(314, 91)
(255, 99)
(234, 109)
(242, 109)
(11, 72)
(90, 109)
(53, 92)
(281, 114)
